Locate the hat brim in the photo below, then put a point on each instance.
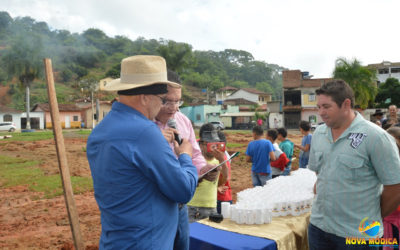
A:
(116, 85)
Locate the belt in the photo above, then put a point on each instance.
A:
(263, 174)
(180, 205)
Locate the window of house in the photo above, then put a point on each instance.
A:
(311, 97)
(76, 118)
(383, 71)
(198, 117)
(7, 118)
(395, 70)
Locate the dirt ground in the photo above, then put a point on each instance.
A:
(26, 223)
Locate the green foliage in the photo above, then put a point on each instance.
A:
(360, 79)
(389, 89)
(17, 172)
(31, 136)
(75, 56)
(177, 55)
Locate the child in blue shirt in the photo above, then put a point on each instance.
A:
(305, 146)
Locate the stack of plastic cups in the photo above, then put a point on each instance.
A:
(226, 210)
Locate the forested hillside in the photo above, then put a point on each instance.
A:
(80, 60)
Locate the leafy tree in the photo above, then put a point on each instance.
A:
(240, 84)
(265, 87)
(389, 90)
(177, 55)
(237, 56)
(114, 72)
(24, 60)
(5, 21)
(360, 79)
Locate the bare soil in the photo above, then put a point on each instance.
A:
(30, 223)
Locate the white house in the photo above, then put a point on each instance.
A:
(252, 95)
(386, 70)
(10, 115)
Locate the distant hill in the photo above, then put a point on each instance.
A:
(83, 59)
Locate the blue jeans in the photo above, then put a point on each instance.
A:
(287, 169)
(182, 234)
(260, 180)
(320, 240)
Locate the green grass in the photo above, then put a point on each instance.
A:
(29, 136)
(84, 132)
(235, 145)
(16, 172)
(41, 135)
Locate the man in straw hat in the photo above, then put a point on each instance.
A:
(138, 181)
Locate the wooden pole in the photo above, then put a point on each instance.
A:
(62, 157)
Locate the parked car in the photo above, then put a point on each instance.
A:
(7, 126)
(314, 126)
(218, 125)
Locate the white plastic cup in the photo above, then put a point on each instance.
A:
(250, 216)
(267, 216)
(242, 216)
(226, 210)
(284, 211)
(275, 209)
(259, 218)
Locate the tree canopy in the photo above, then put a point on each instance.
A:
(361, 79)
(388, 93)
(76, 56)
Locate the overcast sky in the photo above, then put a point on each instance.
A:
(308, 35)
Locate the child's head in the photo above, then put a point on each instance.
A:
(257, 132)
(272, 134)
(304, 126)
(282, 133)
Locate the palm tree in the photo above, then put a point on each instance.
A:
(24, 61)
(361, 79)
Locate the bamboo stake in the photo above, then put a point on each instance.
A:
(62, 157)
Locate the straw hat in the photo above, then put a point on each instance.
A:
(140, 71)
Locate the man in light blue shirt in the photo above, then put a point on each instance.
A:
(354, 159)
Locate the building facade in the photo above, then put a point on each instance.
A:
(299, 99)
(386, 70)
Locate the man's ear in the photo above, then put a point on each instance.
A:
(144, 99)
(347, 103)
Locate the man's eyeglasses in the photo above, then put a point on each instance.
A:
(173, 103)
(167, 102)
(163, 100)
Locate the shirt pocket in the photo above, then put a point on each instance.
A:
(350, 168)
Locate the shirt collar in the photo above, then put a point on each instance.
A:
(351, 129)
(120, 107)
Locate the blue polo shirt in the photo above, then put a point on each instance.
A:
(138, 181)
(259, 151)
(351, 172)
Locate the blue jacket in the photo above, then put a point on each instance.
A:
(138, 181)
